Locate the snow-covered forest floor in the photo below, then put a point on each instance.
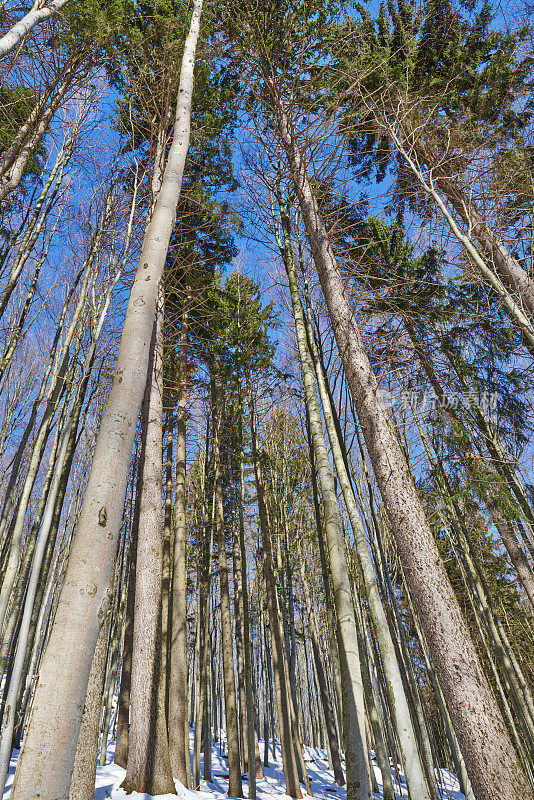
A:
(110, 777)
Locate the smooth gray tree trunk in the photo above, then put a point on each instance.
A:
(415, 775)
(84, 774)
(149, 769)
(330, 725)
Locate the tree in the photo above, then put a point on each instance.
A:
(149, 767)
(65, 671)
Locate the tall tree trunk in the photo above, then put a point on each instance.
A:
(44, 588)
(196, 695)
(373, 716)
(46, 761)
(15, 680)
(206, 702)
(252, 737)
(235, 788)
(178, 716)
(168, 539)
(458, 759)
(148, 768)
(84, 773)
(110, 685)
(238, 632)
(483, 738)
(325, 571)
(204, 569)
(123, 699)
(268, 690)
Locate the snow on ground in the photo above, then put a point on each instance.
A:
(271, 787)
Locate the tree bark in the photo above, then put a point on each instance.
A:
(252, 736)
(351, 682)
(178, 716)
(84, 773)
(407, 738)
(373, 716)
(204, 570)
(123, 700)
(235, 788)
(62, 462)
(148, 769)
